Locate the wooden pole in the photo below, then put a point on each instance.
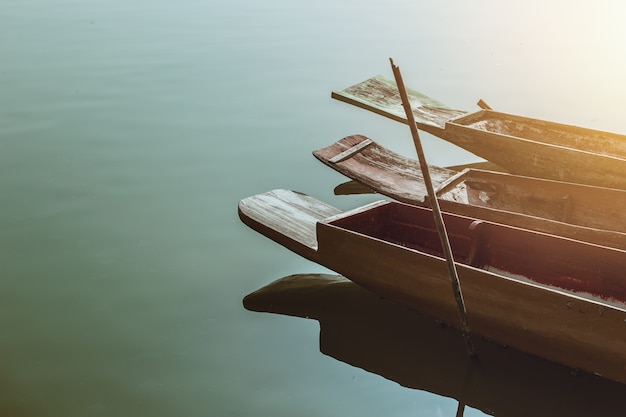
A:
(460, 410)
(483, 104)
(441, 228)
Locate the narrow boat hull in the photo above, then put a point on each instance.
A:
(552, 317)
(540, 148)
(576, 211)
(550, 324)
(520, 145)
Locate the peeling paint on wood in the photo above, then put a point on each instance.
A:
(520, 145)
(576, 211)
(393, 250)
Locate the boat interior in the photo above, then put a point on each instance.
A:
(590, 140)
(586, 206)
(565, 264)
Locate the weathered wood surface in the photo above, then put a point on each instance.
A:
(380, 95)
(353, 187)
(581, 212)
(287, 217)
(359, 328)
(381, 169)
(381, 246)
(519, 145)
(542, 131)
(484, 165)
(542, 149)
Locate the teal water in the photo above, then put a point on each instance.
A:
(130, 130)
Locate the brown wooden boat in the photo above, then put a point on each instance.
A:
(576, 211)
(361, 329)
(557, 298)
(520, 145)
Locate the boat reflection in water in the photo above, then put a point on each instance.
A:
(359, 328)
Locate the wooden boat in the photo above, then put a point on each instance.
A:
(355, 187)
(557, 298)
(520, 145)
(361, 329)
(576, 211)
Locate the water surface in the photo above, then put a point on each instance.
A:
(129, 131)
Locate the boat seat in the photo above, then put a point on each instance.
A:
(474, 257)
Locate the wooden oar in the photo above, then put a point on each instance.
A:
(441, 228)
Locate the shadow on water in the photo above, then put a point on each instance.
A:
(361, 329)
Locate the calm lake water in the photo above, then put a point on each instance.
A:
(130, 130)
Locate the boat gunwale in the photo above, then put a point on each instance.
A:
(518, 279)
(456, 123)
(385, 202)
(331, 223)
(545, 187)
(495, 176)
(559, 222)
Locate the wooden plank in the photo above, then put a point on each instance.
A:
(380, 95)
(353, 187)
(452, 181)
(542, 149)
(287, 217)
(593, 214)
(350, 152)
(375, 165)
(484, 165)
(519, 145)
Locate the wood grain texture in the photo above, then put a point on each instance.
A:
(528, 290)
(591, 214)
(380, 95)
(555, 324)
(542, 149)
(518, 144)
(287, 217)
(381, 169)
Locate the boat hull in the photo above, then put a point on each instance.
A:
(550, 154)
(519, 145)
(551, 324)
(562, 324)
(576, 211)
